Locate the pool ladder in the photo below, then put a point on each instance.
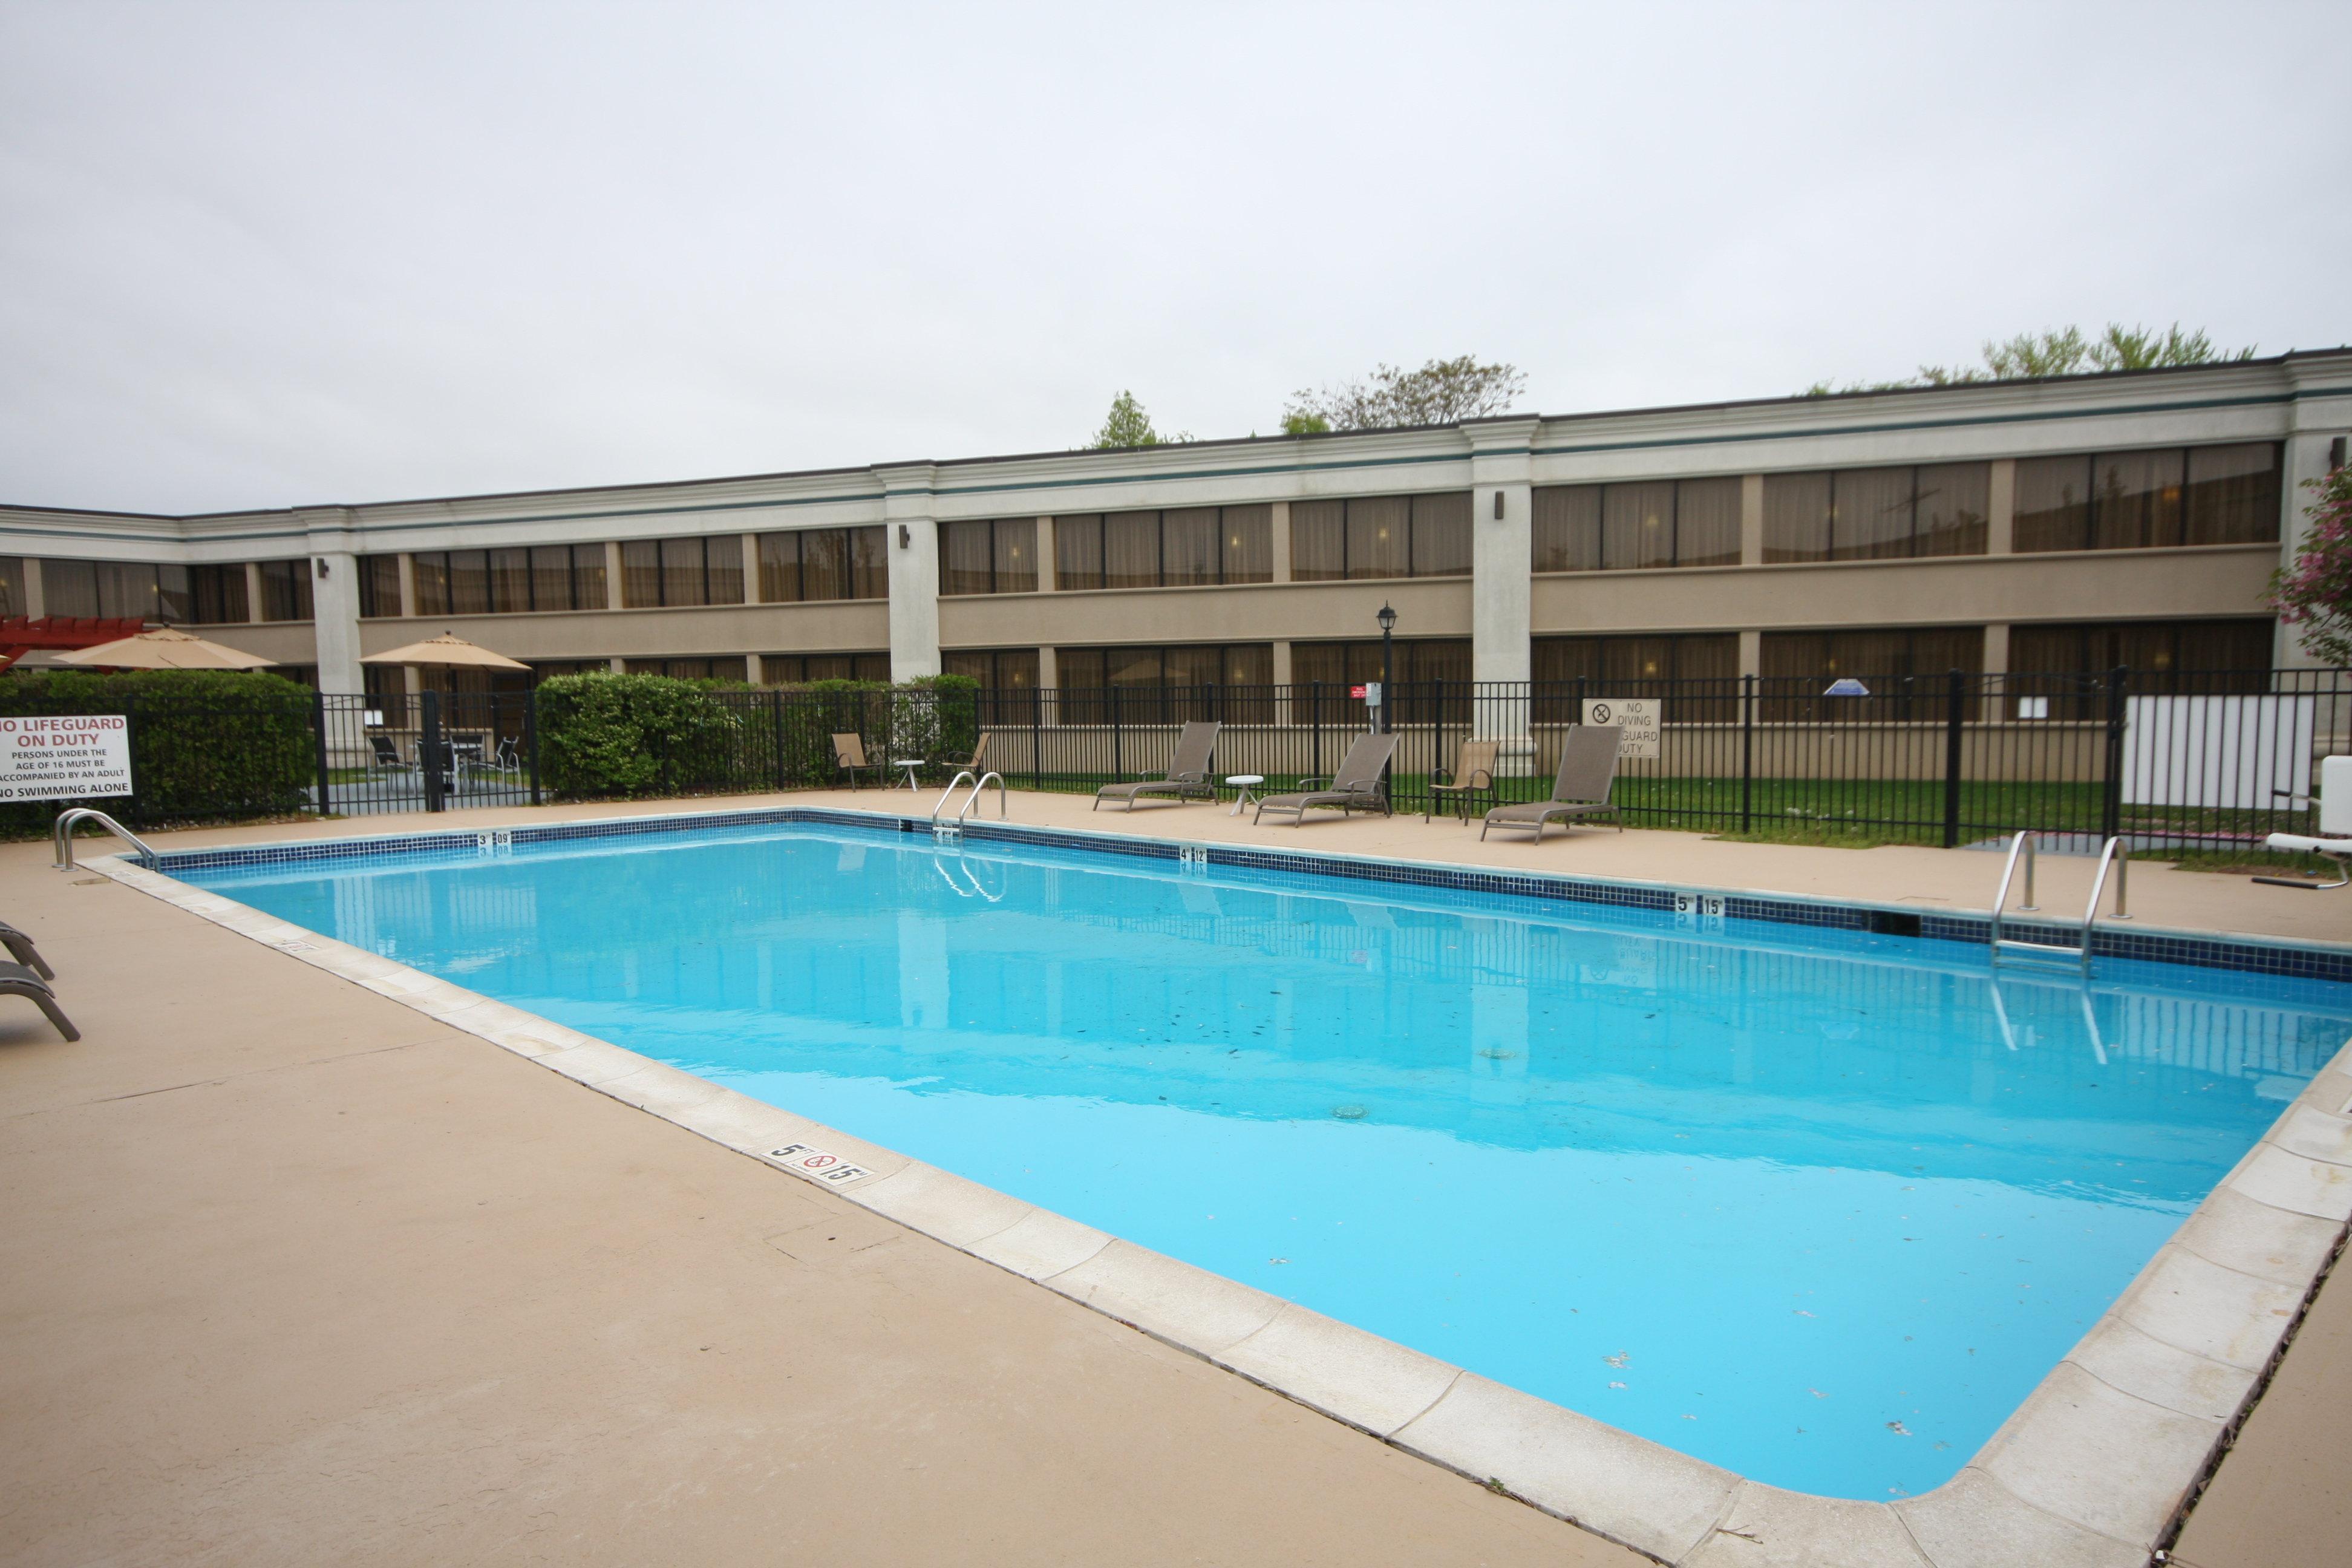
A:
(955, 829)
(61, 835)
(2113, 858)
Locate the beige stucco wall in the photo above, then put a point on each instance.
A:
(1258, 611)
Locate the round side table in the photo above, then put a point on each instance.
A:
(1243, 782)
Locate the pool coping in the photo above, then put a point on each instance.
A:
(2089, 1471)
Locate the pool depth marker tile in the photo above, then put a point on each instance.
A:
(2086, 1473)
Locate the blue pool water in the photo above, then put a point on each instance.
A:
(1805, 1204)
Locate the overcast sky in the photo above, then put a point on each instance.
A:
(270, 255)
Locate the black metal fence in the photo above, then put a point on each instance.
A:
(2169, 759)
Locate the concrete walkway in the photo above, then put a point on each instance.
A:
(297, 1274)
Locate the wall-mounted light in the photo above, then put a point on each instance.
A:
(1498, 506)
(906, 536)
(321, 565)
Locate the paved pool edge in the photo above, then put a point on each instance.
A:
(2090, 1469)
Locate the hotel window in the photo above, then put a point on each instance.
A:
(1185, 547)
(1697, 675)
(985, 556)
(286, 590)
(675, 574)
(545, 669)
(2140, 501)
(499, 581)
(799, 669)
(217, 596)
(1008, 669)
(2069, 664)
(379, 586)
(1904, 667)
(1877, 514)
(1616, 528)
(1165, 684)
(1323, 673)
(1381, 536)
(690, 669)
(816, 565)
(116, 590)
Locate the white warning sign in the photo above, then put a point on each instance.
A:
(65, 756)
(1637, 717)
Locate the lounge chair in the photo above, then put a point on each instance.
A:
(18, 980)
(386, 755)
(1188, 775)
(1587, 764)
(849, 756)
(979, 762)
(1356, 787)
(20, 948)
(1473, 775)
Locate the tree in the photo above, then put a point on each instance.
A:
(2315, 591)
(2061, 351)
(1439, 393)
(1127, 424)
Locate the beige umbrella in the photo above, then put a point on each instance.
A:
(449, 649)
(164, 648)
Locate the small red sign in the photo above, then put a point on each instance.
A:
(1357, 692)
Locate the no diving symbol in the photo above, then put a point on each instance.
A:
(1600, 713)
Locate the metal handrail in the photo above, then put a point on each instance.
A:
(980, 783)
(2022, 843)
(62, 833)
(961, 774)
(2114, 856)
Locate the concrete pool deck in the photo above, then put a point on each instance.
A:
(315, 1336)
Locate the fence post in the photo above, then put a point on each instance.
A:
(1118, 753)
(2111, 813)
(318, 733)
(776, 715)
(1747, 753)
(1036, 737)
(429, 745)
(1952, 738)
(530, 738)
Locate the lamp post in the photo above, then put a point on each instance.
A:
(1388, 663)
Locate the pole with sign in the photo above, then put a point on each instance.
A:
(1636, 720)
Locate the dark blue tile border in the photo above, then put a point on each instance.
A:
(2152, 947)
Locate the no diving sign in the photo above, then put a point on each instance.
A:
(1635, 717)
(65, 757)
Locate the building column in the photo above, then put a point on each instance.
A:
(1751, 653)
(407, 585)
(1751, 519)
(1049, 669)
(911, 545)
(752, 572)
(2308, 456)
(36, 596)
(334, 567)
(1996, 648)
(752, 671)
(1046, 561)
(1278, 526)
(613, 596)
(253, 593)
(2000, 508)
(1502, 520)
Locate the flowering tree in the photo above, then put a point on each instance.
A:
(2315, 591)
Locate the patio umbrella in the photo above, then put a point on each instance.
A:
(448, 649)
(164, 648)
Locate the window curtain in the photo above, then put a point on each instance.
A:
(1078, 551)
(1441, 535)
(469, 583)
(1014, 554)
(825, 564)
(1319, 535)
(1131, 550)
(1870, 514)
(641, 581)
(1188, 546)
(1954, 504)
(510, 580)
(2053, 504)
(780, 568)
(2232, 495)
(551, 577)
(1377, 529)
(965, 558)
(723, 568)
(1707, 522)
(1637, 525)
(431, 577)
(682, 580)
(378, 589)
(2136, 499)
(588, 586)
(1797, 517)
(1249, 543)
(868, 566)
(1565, 528)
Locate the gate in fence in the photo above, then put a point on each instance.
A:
(429, 751)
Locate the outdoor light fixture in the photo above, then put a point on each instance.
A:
(1387, 662)
(321, 564)
(906, 536)
(1498, 506)
(1388, 619)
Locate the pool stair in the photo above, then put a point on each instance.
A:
(2114, 858)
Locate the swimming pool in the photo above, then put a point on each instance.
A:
(1817, 1206)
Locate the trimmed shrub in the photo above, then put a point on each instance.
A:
(205, 745)
(632, 735)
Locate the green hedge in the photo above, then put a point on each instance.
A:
(205, 745)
